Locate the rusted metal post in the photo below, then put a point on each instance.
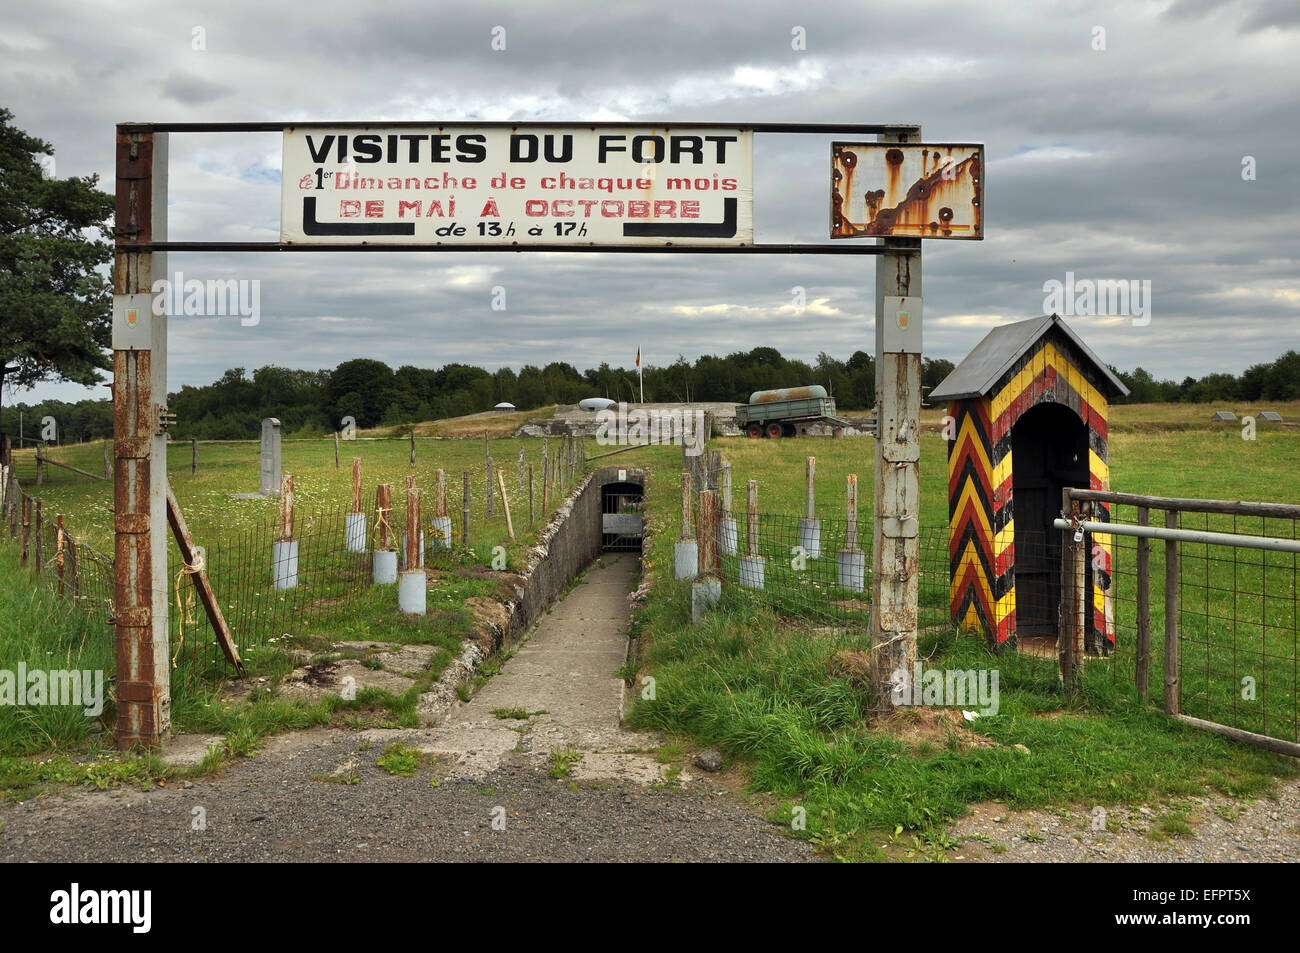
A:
(194, 455)
(894, 549)
(532, 514)
(464, 536)
(491, 490)
(751, 565)
(383, 510)
(1171, 617)
(546, 478)
(1142, 675)
(139, 440)
(40, 468)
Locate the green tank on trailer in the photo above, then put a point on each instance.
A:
(785, 411)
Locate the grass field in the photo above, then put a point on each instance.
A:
(776, 692)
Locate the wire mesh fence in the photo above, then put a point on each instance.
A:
(819, 569)
(262, 598)
(1237, 616)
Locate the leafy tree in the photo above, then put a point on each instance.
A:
(56, 304)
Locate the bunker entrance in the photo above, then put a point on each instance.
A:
(1049, 450)
(621, 517)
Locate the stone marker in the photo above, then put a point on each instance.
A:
(270, 480)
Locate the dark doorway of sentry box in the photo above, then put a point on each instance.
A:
(1049, 451)
(622, 524)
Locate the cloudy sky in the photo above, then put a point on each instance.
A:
(1116, 137)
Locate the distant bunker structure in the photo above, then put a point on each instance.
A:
(1027, 417)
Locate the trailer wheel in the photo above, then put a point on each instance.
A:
(775, 430)
(754, 430)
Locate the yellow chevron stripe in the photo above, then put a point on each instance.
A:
(1004, 538)
(968, 493)
(968, 432)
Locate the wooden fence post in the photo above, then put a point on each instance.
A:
(58, 550)
(286, 508)
(336, 450)
(505, 505)
(752, 527)
(532, 515)
(465, 512)
(521, 471)
(491, 490)
(687, 532)
(383, 508)
(412, 444)
(356, 484)
(108, 463)
(38, 546)
(1143, 651)
(194, 455)
(710, 563)
(27, 525)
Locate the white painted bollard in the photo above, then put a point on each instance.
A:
(751, 572)
(354, 533)
(810, 537)
(420, 554)
(385, 567)
(728, 536)
(810, 528)
(852, 569)
(686, 559)
(441, 532)
(412, 590)
(284, 558)
(705, 594)
(751, 565)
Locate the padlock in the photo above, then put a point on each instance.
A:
(1078, 536)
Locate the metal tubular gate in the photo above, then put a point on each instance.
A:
(1074, 559)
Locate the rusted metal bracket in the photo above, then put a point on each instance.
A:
(202, 584)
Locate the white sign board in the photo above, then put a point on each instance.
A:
(907, 191)
(527, 185)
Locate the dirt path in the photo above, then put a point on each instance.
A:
(484, 789)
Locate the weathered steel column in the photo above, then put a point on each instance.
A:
(897, 453)
(139, 445)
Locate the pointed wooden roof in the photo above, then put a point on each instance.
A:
(978, 374)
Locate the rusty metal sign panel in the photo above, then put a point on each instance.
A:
(523, 186)
(882, 189)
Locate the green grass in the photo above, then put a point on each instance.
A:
(752, 681)
(562, 762)
(400, 760)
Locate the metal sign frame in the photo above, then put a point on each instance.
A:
(140, 415)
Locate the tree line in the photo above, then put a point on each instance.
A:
(314, 403)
